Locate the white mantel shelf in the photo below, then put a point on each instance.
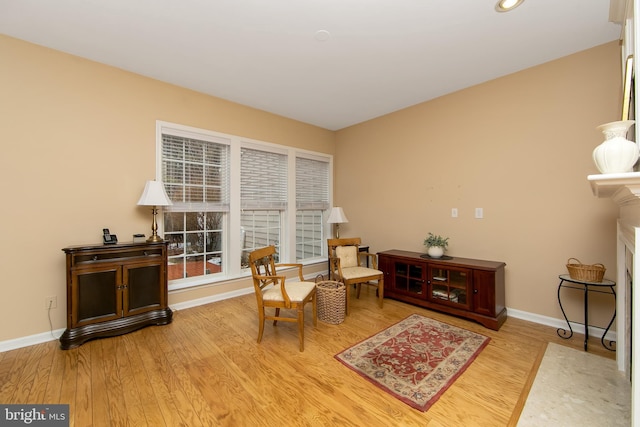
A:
(621, 187)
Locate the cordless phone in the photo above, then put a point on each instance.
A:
(108, 238)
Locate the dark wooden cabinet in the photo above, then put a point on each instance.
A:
(464, 287)
(114, 289)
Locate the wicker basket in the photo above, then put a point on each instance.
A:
(331, 301)
(587, 273)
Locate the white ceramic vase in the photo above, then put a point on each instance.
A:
(435, 251)
(616, 154)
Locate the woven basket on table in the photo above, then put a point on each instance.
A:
(585, 272)
(331, 302)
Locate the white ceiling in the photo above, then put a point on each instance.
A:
(380, 56)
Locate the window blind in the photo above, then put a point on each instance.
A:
(195, 174)
(263, 180)
(312, 184)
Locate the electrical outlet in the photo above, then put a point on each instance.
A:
(51, 302)
(479, 213)
(454, 212)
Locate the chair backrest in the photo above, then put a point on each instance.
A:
(346, 250)
(262, 263)
(348, 256)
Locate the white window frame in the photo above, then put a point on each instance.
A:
(231, 247)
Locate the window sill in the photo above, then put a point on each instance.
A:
(212, 279)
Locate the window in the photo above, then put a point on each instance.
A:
(263, 192)
(232, 195)
(312, 202)
(195, 173)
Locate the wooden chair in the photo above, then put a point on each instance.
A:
(345, 266)
(272, 291)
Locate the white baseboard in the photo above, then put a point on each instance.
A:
(578, 328)
(531, 317)
(30, 340)
(212, 298)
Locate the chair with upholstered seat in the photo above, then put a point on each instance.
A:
(279, 292)
(345, 266)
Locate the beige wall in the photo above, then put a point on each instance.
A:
(519, 147)
(78, 143)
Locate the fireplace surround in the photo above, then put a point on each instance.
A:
(624, 190)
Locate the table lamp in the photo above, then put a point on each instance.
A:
(337, 217)
(154, 195)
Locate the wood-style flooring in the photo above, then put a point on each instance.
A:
(206, 369)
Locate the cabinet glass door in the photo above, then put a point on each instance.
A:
(143, 293)
(96, 296)
(450, 286)
(409, 278)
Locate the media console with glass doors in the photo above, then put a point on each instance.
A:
(469, 288)
(114, 289)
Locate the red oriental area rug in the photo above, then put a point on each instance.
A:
(416, 359)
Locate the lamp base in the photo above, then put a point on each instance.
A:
(154, 228)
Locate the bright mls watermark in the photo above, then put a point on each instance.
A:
(36, 415)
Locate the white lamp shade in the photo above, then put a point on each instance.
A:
(337, 216)
(154, 195)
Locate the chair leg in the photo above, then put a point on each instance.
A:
(381, 292)
(260, 324)
(358, 290)
(315, 310)
(301, 326)
(277, 315)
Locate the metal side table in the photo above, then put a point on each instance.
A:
(604, 287)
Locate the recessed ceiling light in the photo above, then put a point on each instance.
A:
(322, 35)
(507, 5)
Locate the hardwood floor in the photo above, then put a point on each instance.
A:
(206, 369)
